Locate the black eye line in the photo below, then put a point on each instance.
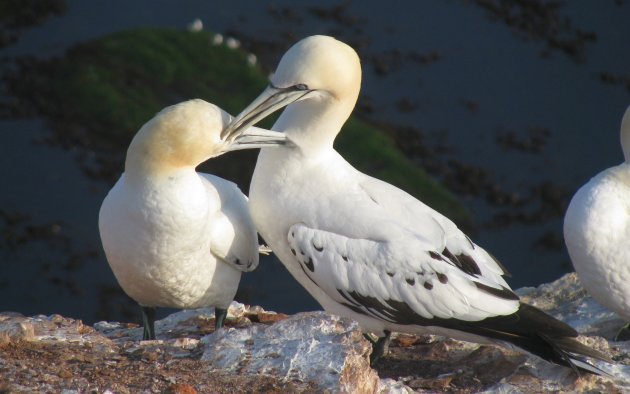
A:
(299, 86)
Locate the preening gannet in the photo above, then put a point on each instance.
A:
(172, 236)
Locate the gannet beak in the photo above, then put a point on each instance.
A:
(254, 137)
(271, 100)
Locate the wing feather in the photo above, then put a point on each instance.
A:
(379, 277)
(443, 234)
(233, 236)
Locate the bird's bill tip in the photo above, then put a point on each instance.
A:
(269, 101)
(254, 137)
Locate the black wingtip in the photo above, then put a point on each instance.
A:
(557, 341)
(503, 292)
(506, 273)
(572, 353)
(539, 321)
(544, 336)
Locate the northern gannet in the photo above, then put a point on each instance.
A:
(365, 249)
(172, 236)
(597, 234)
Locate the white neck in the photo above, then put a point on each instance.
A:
(625, 135)
(139, 168)
(313, 124)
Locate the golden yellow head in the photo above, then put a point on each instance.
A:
(187, 134)
(319, 78)
(321, 63)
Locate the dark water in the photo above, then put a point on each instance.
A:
(524, 111)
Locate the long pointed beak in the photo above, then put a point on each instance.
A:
(254, 137)
(271, 100)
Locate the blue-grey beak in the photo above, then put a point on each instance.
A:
(271, 100)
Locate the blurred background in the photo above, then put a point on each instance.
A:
(509, 106)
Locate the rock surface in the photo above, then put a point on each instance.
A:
(307, 347)
(261, 351)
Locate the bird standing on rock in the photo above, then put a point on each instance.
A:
(172, 236)
(365, 249)
(597, 234)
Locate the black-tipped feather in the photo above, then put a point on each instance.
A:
(541, 334)
(529, 328)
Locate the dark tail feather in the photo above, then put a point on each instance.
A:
(528, 328)
(574, 354)
(543, 335)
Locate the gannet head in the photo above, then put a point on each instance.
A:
(625, 135)
(318, 69)
(189, 133)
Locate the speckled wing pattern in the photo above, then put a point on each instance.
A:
(428, 270)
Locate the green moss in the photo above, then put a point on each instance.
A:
(100, 93)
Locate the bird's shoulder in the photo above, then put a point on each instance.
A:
(442, 234)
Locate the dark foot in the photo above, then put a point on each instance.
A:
(219, 317)
(623, 334)
(148, 321)
(380, 347)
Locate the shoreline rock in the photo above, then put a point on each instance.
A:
(261, 351)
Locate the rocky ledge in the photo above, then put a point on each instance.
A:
(262, 351)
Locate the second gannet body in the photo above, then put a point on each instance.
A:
(365, 249)
(172, 236)
(597, 233)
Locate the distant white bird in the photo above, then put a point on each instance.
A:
(252, 59)
(232, 43)
(365, 249)
(196, 25)
(217, 39)
(597, 234)
(172, 236)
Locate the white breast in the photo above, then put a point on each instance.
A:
(156, 237)
(597, 235)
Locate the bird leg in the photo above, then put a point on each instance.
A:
(219, 317)
(380, 347)
(148, 321)
(624, 333)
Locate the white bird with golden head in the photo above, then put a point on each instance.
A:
(172, 236)
(365, 249)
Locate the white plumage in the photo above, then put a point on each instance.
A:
(597, 232)
(361, 247)
(377, 240)
(174, 237)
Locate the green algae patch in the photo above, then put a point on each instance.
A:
(99, 93)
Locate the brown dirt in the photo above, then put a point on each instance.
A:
(35, 366)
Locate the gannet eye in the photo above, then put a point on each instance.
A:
(300, 86)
